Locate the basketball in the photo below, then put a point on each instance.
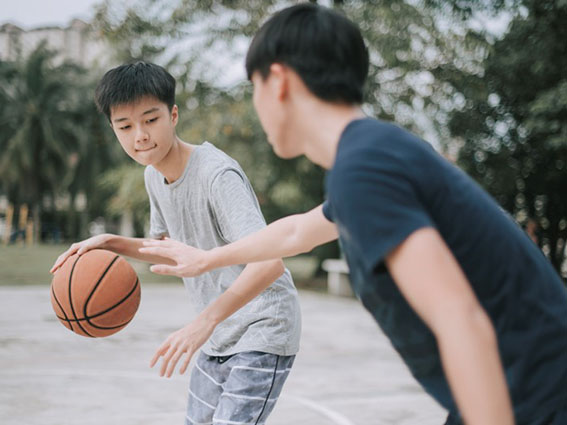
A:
(95, 294)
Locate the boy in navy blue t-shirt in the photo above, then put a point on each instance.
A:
(471, 304)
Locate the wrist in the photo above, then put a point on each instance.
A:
(210, 260)
(210, 318)
(108, 240)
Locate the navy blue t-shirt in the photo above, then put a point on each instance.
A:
(385, 184)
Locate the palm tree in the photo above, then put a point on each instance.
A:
(37, 131)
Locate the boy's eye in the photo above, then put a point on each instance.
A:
(152, 120)
(126, 127)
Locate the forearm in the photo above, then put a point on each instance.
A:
(130, 247)
(254, 279)
(432, 281)
(278, 240)
(286, 237)
(469, 352)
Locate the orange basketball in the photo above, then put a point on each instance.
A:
(96, 294)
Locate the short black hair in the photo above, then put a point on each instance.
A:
(130, 82)
(324, 47)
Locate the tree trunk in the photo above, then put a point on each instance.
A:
(36, 215)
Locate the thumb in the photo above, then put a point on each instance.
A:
(164, 269)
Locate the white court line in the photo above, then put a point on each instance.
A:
(336, 417)
(103, 373)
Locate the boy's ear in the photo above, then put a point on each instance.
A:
(174, 114)
(280, 80)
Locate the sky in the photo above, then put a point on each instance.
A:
(34, 13)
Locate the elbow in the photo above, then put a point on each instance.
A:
(469, 319)
(481, 322)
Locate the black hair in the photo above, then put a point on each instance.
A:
(322, 46)
(128, 83)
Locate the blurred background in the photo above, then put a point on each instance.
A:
(484, 81)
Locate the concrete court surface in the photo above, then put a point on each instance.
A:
(346, 372)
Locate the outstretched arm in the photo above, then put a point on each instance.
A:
(286, 237)
(252, 281)
(433, 283)
(119, 244)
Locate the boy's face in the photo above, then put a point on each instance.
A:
(271, 102)
(145, 129)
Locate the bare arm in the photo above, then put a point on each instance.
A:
(286, 237)
(129, 247)
(432, 281)
(252, 281)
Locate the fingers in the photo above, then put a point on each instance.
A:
(159, 251)
(186, 362)
(83, 249)
(165, 270)
(160, 352)
(160, 243)
(63, 257)
(171, 354)
(170, 360)
(173, 361)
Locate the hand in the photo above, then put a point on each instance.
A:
(80, 248)
(189, 261)
(186, 341)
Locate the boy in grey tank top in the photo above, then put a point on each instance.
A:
(249, 322)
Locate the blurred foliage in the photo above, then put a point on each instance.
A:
(196, 39)
(513, 122)
(128, 192)
(52, 140)
(497, 101)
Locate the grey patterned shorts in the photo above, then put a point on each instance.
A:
(241, 389)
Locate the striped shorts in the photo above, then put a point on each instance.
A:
(241, 389)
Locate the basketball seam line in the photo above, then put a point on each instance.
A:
(60, 307)
(113, 307)
(71, 297)
(97, 285)
(87, 318)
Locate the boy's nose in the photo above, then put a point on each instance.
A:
(142, 136)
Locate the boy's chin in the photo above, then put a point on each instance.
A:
(285, 152)
(143, 161)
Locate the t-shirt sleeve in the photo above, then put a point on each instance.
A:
(234, 205)
(158, 228)
(327, 210)
(378, 206)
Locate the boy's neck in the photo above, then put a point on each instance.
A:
(322, 134)
(173, 164)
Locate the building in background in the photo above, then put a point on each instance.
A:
(78, 42)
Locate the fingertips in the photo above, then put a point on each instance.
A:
(158, 269)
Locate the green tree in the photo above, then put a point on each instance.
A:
(513, 122)
(37, 132)
(96, 152)
(199, 39)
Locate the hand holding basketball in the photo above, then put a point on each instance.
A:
(96, 294)
(80, 248)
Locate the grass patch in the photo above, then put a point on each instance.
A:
(22, 265)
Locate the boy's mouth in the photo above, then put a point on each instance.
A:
(146, 149)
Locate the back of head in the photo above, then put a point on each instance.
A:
(322, 46)
(129, 83)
